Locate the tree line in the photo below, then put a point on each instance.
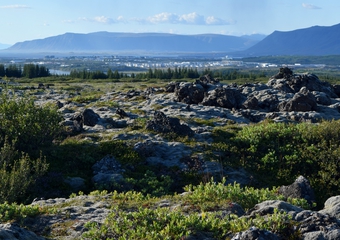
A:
(36, 71)
(28, 71)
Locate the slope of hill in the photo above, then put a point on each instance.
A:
(144, 42)
(317, 40)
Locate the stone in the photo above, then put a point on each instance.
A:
(254, 233)
(163, 124)
(12, 231)
(299, 189)
(189, 93)
(267, 207)
(332, 207)
(302, 101)
(224, 97)
(78, 122)
(90, 117)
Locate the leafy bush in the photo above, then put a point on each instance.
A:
(135, 217)
(279, 152)
(211, 194)
(17, 173)
(31, 126)
(9, 212)
(151, 184)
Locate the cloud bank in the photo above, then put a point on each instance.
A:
(164, 18)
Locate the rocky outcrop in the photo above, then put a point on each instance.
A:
(12, 231)
(303, 96)
(90, 117)
(163, 124)
(299, 189)
(224, 97)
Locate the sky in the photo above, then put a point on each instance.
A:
(22, 20)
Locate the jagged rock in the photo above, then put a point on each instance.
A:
(164, 124)
(302, 101)
(322, 98)
(286, 81)
(254, 233)
(251, 103)
(267, 207)
(78, 122)
(318, 222)
(189, 93)
(170, 87)
(12, 231)
(332, 207)
(299, 189)
(336, 89)
(90, 117)
(322, 235)
(224, 97)
(284, 72)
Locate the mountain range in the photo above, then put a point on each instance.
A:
(136, 42)
(316, 40)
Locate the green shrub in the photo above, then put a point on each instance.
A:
(208, 195)
(31, 126)
(279, 152)
(151, 184)
(10, 212)
(17, 173)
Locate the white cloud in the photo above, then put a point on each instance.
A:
(162, 18)
(310, 6)
(103, 20)
(15, 6)
(190, 18)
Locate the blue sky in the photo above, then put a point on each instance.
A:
(22, 20)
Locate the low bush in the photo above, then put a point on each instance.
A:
(277, 153)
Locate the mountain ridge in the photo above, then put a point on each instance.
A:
(315, 40)
(154, 42)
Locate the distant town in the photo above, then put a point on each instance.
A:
(64, 65)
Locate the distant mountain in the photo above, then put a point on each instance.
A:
(257, 37)
(315, 40)
(133, 42)
(4, 46)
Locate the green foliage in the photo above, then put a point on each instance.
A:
(31, 126)
(151, 184)
(10, 212)
(17, 173)
(279, 152)
(212, 194)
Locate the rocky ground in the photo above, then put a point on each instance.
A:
(180, 108)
